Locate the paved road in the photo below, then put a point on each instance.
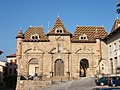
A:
(81, 84)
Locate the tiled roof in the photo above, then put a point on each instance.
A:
(20, 34)
(58, 23)
(92, 32)
(35, 30)
(116, 25)
(113, 33)
(12, 55)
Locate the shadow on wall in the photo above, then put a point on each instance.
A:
(10, 79)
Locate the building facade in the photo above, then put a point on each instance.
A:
(11, 65)
(60, 53)
(113, 45)
(2, 70)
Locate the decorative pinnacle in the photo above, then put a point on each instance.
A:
(20, 34)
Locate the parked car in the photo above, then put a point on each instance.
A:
(102, 81)
(106, 89)
(114, 81)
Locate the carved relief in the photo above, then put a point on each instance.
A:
(34, 50)
(83, 50)
(59, 49)
(59, 38)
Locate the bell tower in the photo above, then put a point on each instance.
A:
(19, 38)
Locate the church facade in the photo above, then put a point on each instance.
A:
(60, 53)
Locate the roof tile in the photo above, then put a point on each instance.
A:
(58, 23)
(92, 33)
(35, 30)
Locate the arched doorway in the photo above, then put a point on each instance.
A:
(84, 65)
(59, 67)
(33, 67)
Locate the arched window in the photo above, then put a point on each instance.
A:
(59, 30)
(35, 37)
(83, 37)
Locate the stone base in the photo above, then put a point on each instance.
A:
(31, 84)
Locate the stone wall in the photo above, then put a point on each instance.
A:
(31, 84)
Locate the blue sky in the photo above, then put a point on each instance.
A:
(16, 14)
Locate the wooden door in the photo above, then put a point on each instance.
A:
(59, 68)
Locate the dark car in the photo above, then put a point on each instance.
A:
(106, 89)
(114, 81)
(102, 81)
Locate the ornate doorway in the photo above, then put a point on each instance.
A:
(33, 67)
(59, 67)
(84, 65)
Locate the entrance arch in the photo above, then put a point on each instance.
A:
(33, 67)
(59, 67)
(84, 65)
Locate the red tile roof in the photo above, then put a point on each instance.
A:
(35, 30)
(58, 23)
(12, 55)
(92, 32)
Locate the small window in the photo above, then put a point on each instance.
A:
(81, 37)
(35, 36)
(84, 37)
(115, 47)
(110, 49)
(59, 30)
(11, 61)
(32, 37)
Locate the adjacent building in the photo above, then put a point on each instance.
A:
(11, 65)
(113, 45)
(60, 53)
(2, 70)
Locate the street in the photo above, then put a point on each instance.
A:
(80, 84)
(84, 83)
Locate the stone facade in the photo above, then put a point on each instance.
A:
(31, 85)
(59, 53)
